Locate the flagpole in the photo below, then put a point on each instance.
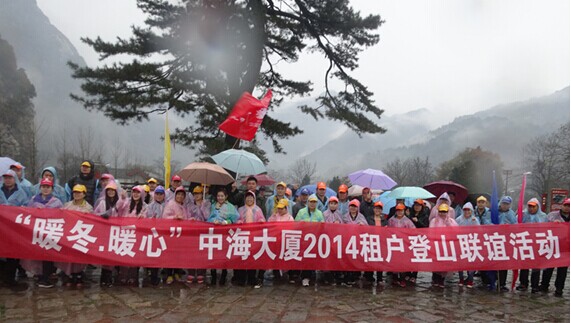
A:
(167, 151)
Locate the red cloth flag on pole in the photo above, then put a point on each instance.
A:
(519, 218)
(246, 116)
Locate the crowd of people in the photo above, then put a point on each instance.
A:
(228, 205)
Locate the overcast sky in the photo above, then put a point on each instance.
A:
(452, 57)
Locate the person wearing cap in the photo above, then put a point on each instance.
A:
(321, 189)
(506, 215)
(532, 214)
(467, 219)
(24, 183)
(250, 213)
(343, 196)
(393, 210)
(102, 183)
(176, 181)
(399, 220)
(354, 216)
(272, 201)
(419, 214)
(136, 206)
(74, 272)
(310, 213)
(156, 208)
(112, 203)
(282, 214)
(222, 212)
(51, 174)
(443, 219)
(442, 199)
(332, 214)
(86, 177)
(153, 183)
(175, 209)
(561, 215)
(366, 205)
(199, 208)
(379, 217)
(482, 212)
(10, 192)
(44, 199)
(303, 196)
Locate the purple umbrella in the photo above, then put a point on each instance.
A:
(372, 178)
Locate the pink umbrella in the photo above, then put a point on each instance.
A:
(205, 173)
(263, 180)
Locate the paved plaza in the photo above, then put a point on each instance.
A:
(282, 302)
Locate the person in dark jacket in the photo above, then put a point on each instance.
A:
(419, 214)
(86, 177)
(366, 207)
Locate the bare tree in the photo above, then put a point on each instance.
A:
(414, 171)
(116, 154)
(547, 157)
(37, 157)
(302, 171)
(66, 160)
(397, 171)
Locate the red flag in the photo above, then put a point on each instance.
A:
(246, 116)
(519, 218)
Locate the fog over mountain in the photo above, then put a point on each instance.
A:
(43, 51)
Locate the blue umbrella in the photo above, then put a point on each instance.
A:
(5, 163)
(312, 188)
(410, 192)
(240, 162)
(389, 202)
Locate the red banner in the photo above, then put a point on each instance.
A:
(246, 116)
(70, 236)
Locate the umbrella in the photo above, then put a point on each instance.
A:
(5, 163)
(440, 187)
(411, 192)
(357, 190)
(372, 178)
(389, 202)
(312, 188)
(240, 161)
(263, 180)
(205, 173)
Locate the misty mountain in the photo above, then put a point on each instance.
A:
(504, 129)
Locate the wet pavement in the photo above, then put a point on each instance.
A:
(282, 302)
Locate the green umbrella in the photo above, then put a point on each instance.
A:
(410, 192)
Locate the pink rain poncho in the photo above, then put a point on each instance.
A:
(66, 267)
(250, 214)
(333, 217)
(434, 211)
(403, 222)
(359, 219)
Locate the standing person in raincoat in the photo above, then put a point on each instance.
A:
(281, 215)
(222, 212)
(342, 195)
(353, 217)
(366, 207)
(393, 210)
(252, 185)
(443, 219)
(506, 216)
(50, 173)
(102, 184)
(11, 193)
(532, 214)
(321, 198)
(176, 182)
(153, 184)
(443, 199)
(156, 208)
(401, 221)
(86, 177)
(309, 214)
(482, 212)
(44, 199)
(250, 213)
(561, 215)
(273, 200)
(467, 219)
(24, 183)
(75, 271)
(380, 221)
(199, 210)
(111, 204)
(455, 205)
(332, 214)
(176, 209)
(419, 214)
(301, 203)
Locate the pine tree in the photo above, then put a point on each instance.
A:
(197, 57)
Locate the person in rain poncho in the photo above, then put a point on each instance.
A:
(561, 215)
(353, 217)
(51, 174)
(78, 203)
(21, 173)
(443, 199)
(176, 182)
(156, 208)
(532, 214)
(44, 199)
(322, 201)
(332, 214)
(153, 184)
(455, 205)
(273, 200)
(482, 212)
(112, 203)
(399, 220)
(467, 219)
(301, 203)
(102, 184)
(176, 209)
(343, 196)
(250, 213)
(506, 215)
(222, 212)
(282, 214)
(443, 219)
(10, 191)
(419, 214)
(199, 210)
(309, 214)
